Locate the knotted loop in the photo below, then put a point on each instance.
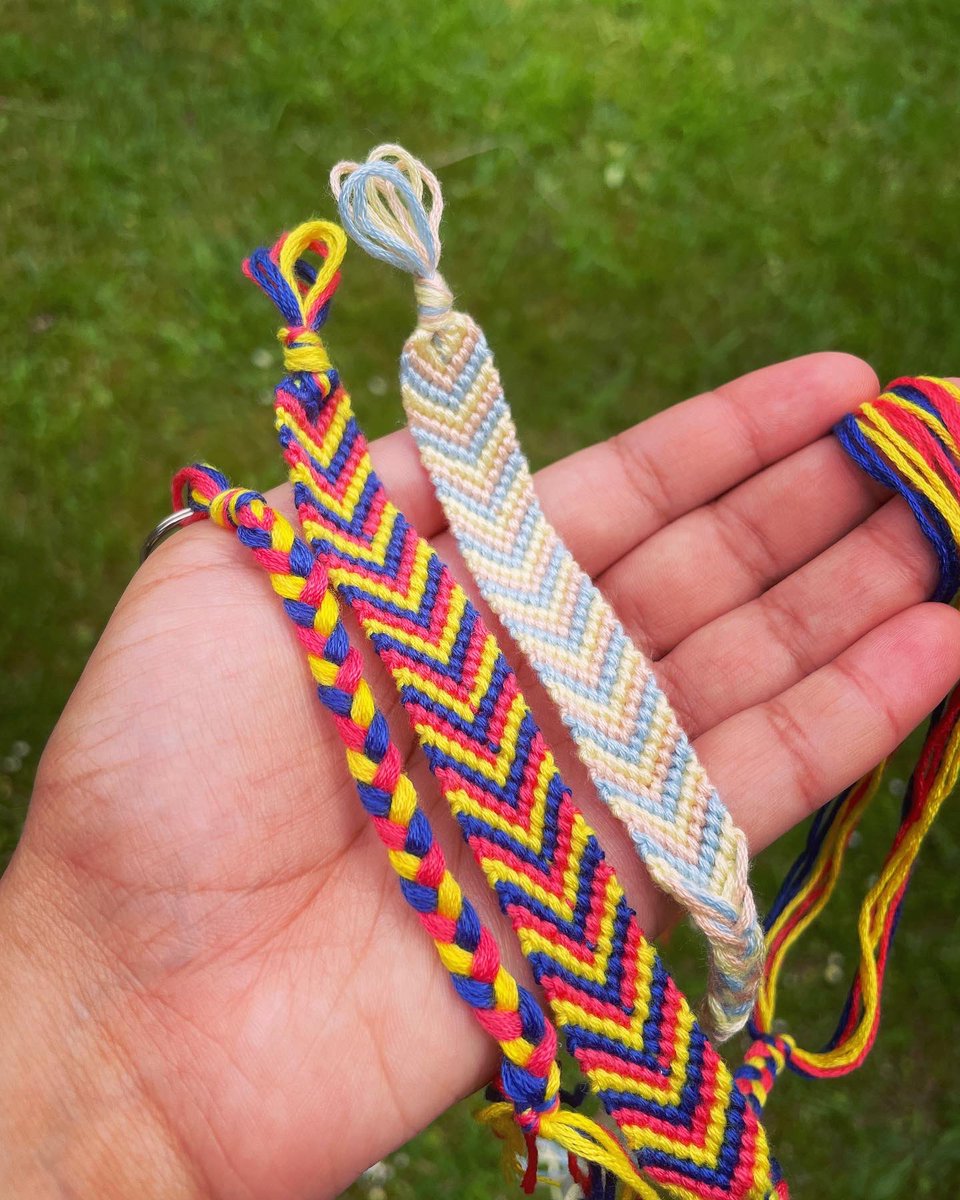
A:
(301, 293)
(209, 493)
(197, 486)
(391, 206)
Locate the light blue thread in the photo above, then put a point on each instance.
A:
(367, 232)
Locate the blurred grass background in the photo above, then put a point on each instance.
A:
(644, 199)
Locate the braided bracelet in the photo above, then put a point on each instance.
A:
(528, 1076)
(689, 1128)
(626, 732)
(908, 440)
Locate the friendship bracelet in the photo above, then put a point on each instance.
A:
(908, 440)
(693, 1129)
(625, 730)
(529, 1076)
(690, 1129)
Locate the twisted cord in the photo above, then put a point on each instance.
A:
(528, 1074)
(763, 1062)
(626, 732)
(907, 439)
(630, 1029)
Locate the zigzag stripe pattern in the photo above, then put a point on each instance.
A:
(626, 732)
(624, 1019)
(529, 1075)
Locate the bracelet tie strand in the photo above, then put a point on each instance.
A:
(625, 730)
(908, 440)
(689, 1128)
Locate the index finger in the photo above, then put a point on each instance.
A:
(608, 498)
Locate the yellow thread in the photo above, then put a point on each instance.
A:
(505, 990)
(911, 464)
(297, 243)
(834, 849)
(575, 1133)
(934, 424)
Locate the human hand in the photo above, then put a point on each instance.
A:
(228, 995)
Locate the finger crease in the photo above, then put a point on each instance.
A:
(794, 739)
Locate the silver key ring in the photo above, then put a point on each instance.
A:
(161, 531)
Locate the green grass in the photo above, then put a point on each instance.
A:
(644, 199)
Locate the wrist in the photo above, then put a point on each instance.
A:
(74, 1116)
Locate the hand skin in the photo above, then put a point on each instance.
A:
(210, 985)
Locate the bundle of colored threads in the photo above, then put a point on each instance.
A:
(908, 440)
(626, 732)
(689, 1129)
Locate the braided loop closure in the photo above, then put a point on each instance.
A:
(625, 729)
(907, 439)
(762, 1063)
(625, 1021)
(529, 1075)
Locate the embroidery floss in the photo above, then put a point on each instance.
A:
(908, 440)
(628, 1026)
(626, 732)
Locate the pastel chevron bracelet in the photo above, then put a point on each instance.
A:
(690, 1130)
(529, 1076)
(625, 730)
(908, 440)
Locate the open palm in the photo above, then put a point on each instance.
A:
(233, 928)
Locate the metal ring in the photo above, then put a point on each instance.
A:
(167, 526)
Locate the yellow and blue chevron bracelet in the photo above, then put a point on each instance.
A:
(689, 1129)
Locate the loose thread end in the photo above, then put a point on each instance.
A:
(301, 292)
(583, 1140)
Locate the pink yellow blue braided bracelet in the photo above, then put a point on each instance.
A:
(528, 1076)
(625, 730)
(690, 1130)
(528, 1080)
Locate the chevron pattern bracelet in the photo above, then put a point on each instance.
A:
(689, 1128)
